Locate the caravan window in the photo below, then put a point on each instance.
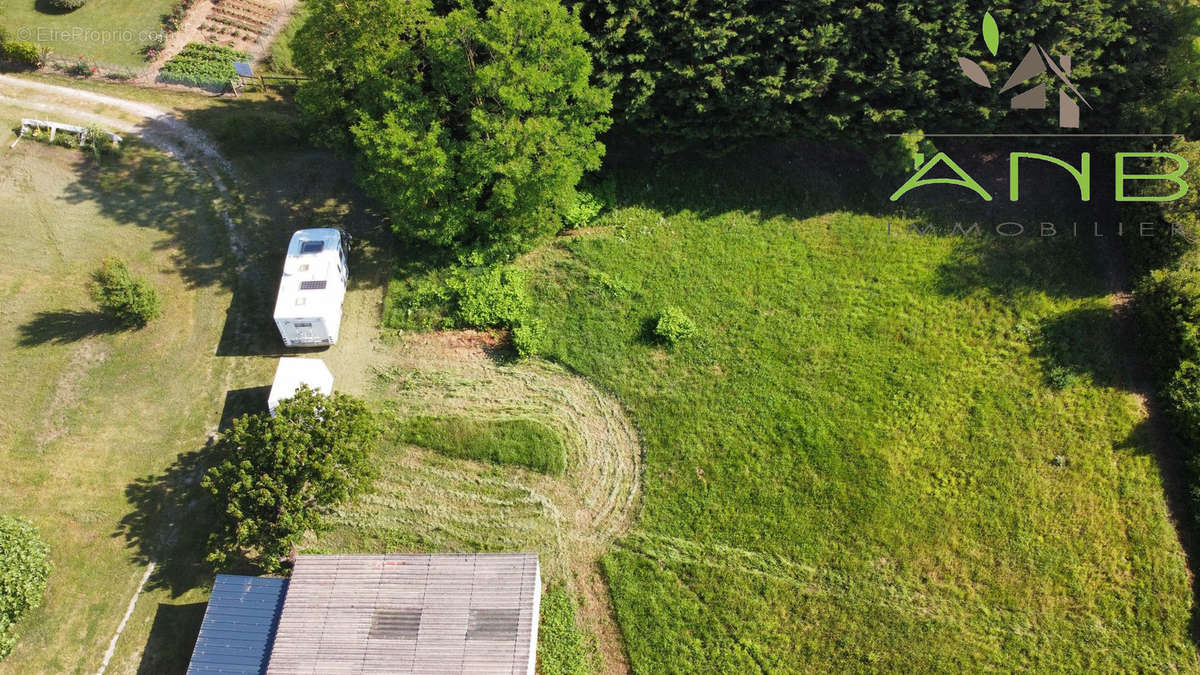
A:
(312, 247)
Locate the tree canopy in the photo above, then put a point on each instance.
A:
(24, 568)
(689, 73)
(471, 123)
(275, 473)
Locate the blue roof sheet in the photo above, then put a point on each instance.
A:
(239, 625)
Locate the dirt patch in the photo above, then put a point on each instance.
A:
(85, 356)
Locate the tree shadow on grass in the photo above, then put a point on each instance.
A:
(793, 179)
(172, 638)
(1081, 342)
(148, 188)
(246, 401)
(172, 515)
(66, 326)
(168, 524)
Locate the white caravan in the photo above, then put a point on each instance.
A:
(292, 373)
(308, 310)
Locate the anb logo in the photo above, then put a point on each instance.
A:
(1036, 62)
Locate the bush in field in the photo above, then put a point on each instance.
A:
(21, 55)
(132, 301)
(471, 123)
(673, 326)
(97, 141)
(24, 567)
(528, 337)
(275, 474)
(489, 296)
(65, 5)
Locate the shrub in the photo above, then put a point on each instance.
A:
(491, 296)
(22, 55)
(97, 141)
(586, 208)
(901, 155)
(673, 326)
(66, 5)
(1183, 400)
(132, 301)
(528, 337)
(1168, 306)
(24, 568)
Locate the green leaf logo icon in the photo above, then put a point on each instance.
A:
(991, 33)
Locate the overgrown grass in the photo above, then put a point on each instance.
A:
(279, 56)
(563, 648)
(520, 441)
(858, 460)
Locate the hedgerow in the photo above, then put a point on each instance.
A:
(685, 74)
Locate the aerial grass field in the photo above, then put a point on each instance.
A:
(110, 33)
(91, 411)
(881, 450)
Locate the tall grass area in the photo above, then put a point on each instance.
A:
(519, 441)
(861, 459)
(279, 56)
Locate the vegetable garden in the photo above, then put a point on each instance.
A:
(202, 65)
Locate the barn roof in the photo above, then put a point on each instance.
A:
(239, 625)
(409, 613)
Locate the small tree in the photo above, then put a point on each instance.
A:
(24, 567)
(132, 301)
(276, 473)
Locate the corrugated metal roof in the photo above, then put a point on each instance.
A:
(409, 614)
(239, 625)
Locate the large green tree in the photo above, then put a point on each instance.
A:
(24, 568)
(471, 122)
(276, 472)
(715, 72)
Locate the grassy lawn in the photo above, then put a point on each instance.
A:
(89, 410)
(860, 460)
(108, 32)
